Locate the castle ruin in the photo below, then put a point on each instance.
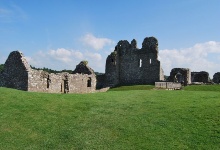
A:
(128, 65)
(201, 76)
(18, 74)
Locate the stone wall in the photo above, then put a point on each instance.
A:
(19, 75)
(201, 76)
(40, 81)
(216, 77)
(15, 73)
(168, 85)
(180, 75)
(131, 65)
(100, 81)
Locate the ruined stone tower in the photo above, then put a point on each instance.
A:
(128, 64)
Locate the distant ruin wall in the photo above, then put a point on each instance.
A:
(216, 77)
(201, 76)
(180, 75)
(168, 85)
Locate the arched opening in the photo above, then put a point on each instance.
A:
(89, 82)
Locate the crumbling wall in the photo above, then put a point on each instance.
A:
(19, 75)
(15, 73)
(40, 81)
(216, 77)
(131, 65)
(82, 81)
(180, 75)
(112, 70)
(100, 81)
(201, 76)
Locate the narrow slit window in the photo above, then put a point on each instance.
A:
(48, 82)
(140, 63)
(150, 61)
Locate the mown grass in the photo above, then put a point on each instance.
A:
(134, 87)
(134, 119)
(203, 88)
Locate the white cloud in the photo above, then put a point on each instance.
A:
(95, 61)
(62, 58)
(200, 57)
(65, 55)
(96, 43)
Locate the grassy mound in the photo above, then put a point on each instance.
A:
(135, 119)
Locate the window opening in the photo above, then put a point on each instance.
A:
(61, 86)
(66, 86)
(150, 61)
(140, 63)
(48, 82)
(89, 82)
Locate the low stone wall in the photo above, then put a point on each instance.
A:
(168, 85)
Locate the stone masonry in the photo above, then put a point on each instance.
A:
(19, 75)
(128, 64)
(180, 75)
(201, 76)
(216, 77)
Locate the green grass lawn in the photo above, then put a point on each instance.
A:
(134, 87)
(203, 88)
(117, 120)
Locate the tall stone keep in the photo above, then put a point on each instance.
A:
(128, 64)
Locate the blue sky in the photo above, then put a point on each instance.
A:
(58, 34)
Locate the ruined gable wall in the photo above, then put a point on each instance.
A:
(15, 74)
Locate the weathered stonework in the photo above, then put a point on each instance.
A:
(128, 64)
(19, 75)
(168, 85)
(216, 77)
(180, 75)
(15, 74)
(201, 76)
